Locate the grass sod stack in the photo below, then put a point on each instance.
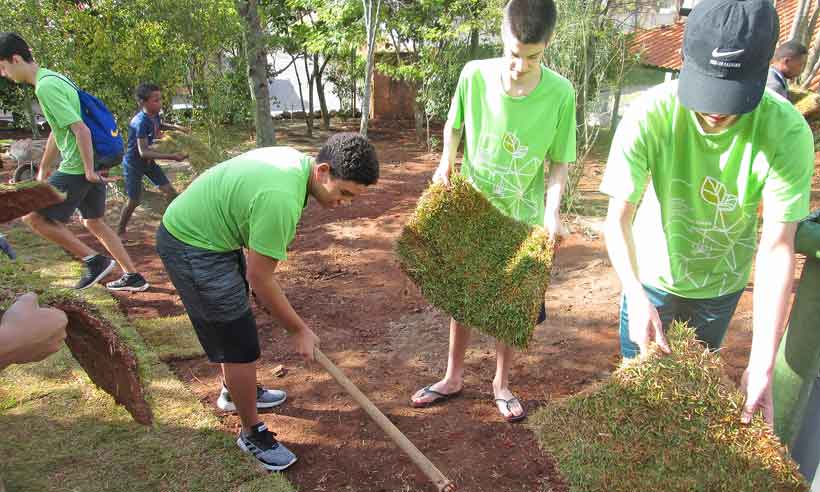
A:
(104, 352)
(19, 199)
(667, 423)
(482, 267)
(201, 156)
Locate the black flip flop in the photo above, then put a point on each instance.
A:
(512, 417)
(440, 397)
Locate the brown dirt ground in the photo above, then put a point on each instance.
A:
(342, 277)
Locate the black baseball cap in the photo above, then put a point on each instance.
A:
(727, 47)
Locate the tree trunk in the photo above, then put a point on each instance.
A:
(799, 22)
(371, 19)
(474, 43)
(418, 114)
(257, 72)
(320, 91)
(299, 83)
(32, 118)
(309, 113)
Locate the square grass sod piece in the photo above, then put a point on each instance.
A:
(200, 155)
(482, 267)
(668, 424)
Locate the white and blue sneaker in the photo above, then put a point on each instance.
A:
(265, 398)
(262, 444)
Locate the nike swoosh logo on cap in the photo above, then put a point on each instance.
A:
(716, 53)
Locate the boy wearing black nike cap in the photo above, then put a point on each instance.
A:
(700, 155)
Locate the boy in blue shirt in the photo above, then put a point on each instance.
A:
(144, 128)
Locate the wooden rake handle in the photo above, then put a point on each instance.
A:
(424, 464)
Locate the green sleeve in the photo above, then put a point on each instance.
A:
(273, 218)
(786, 191)
(627, 169)
(563, 143)
(456, 114)
(59, 102)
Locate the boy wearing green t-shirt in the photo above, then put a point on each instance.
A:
(84, 189)
(516, 115)
(699, 155)
(253, 202)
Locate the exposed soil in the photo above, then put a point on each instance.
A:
(343, 278)
(107, 360)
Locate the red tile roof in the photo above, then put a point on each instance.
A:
(660, 46)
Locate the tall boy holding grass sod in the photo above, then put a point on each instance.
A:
(713, 145)
(515, 115)
(144, 128)
(253, 201)
(85, 190)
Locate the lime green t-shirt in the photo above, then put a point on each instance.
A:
(508, 139)
(696, 229)
(254, 200)
(60, 104)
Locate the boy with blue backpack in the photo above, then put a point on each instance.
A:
(80, 141)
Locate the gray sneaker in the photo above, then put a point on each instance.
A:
(265, 398)
(262, 444)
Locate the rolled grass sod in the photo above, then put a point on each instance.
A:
(19, 199)
(666, 423)
(103, 351)
(485, 269)
(201, 156)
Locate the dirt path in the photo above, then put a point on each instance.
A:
(343, 279)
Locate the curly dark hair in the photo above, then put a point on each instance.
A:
(145, 90)
(351, 157)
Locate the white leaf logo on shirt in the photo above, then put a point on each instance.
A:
(728, 204)
(712, 191)
(512, 145)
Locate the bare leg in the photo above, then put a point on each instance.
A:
(112, 243)
(58, 233)
(169, 192)
(241, 382)
(501, 382)
(454, 378)
(125, 216)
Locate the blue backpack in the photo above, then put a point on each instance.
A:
(105, 136)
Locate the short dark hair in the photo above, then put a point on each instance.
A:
(790, 49)
(530, 21)
(145, 90)
(12, 44)
(351, 157)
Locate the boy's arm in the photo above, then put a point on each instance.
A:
(558, 172)
(774, 269)
(50, 154)
(147, 152)
(643, 316)
(452, 139)
(261, 277)
(86, 148)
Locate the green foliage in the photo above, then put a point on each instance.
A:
(590, 50)
(108, 47)
(668, 423)
(482, 267)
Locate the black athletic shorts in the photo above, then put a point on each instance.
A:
(214, 291)
(80, 194)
